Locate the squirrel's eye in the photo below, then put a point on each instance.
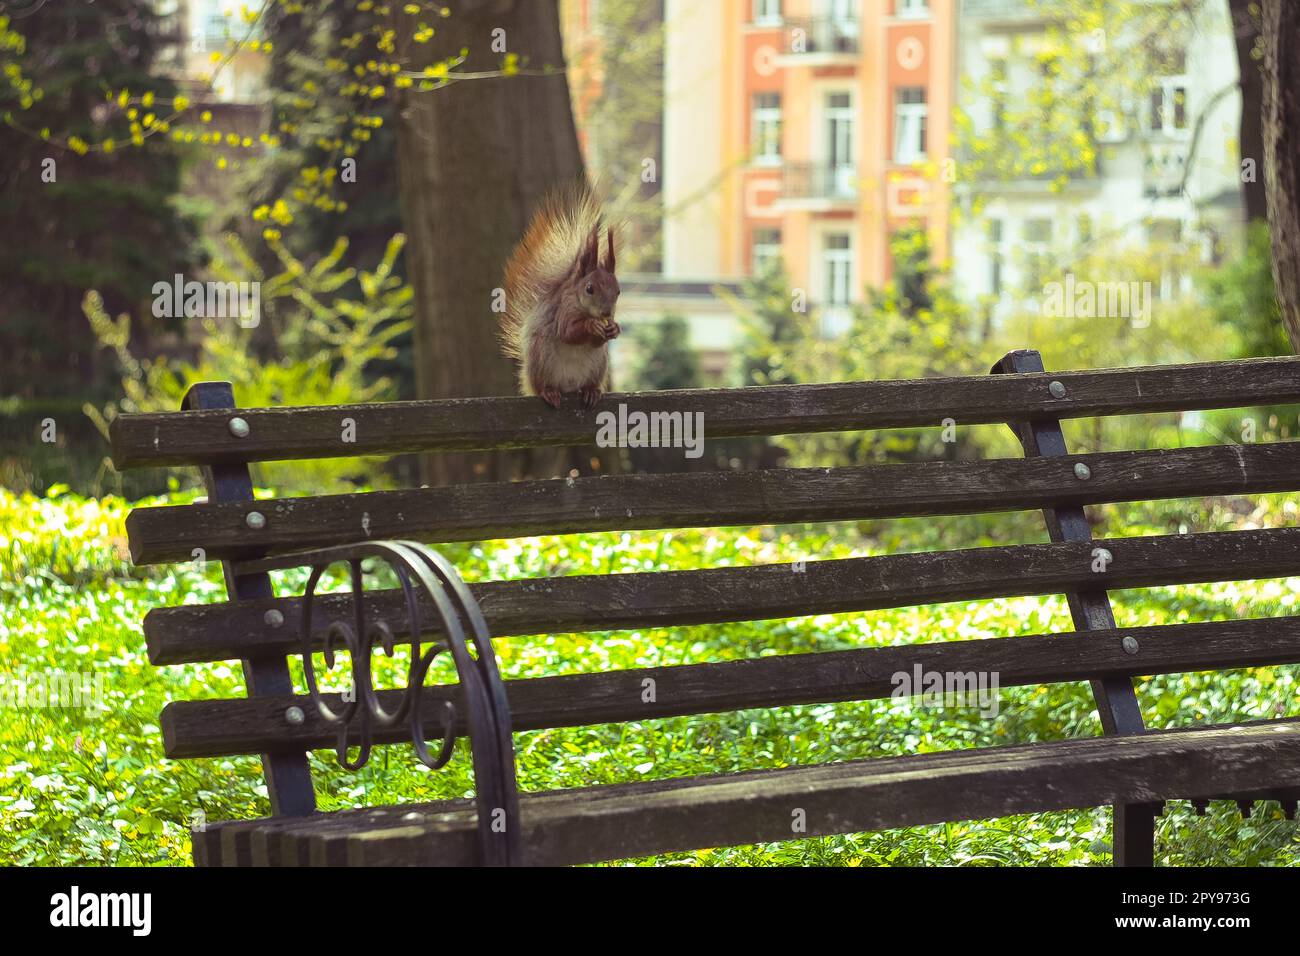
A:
(590, 288)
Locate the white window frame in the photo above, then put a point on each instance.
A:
(837, 269)
(762, 254)
(1036, 250)
(910, 119)
(845, 15)
(767, 13)
(996, 233)
(911, 9)
(1169, 87)
(763, 118)
(840, 125)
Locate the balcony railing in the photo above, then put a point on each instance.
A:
(821, 35)
(819, 181)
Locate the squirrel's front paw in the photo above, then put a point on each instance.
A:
(612, 330)
(591, 395)
(551, 396)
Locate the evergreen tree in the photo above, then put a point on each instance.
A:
(102, 220)
(667, 359)
(76, 218)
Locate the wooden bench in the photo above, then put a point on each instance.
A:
(1130, 767)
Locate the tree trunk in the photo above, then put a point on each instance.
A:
(1281, 71)
(1245, 30)
(474, 158)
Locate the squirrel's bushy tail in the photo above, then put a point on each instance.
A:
(553, 243)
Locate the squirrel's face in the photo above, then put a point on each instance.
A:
(598, 293)
(597, 285)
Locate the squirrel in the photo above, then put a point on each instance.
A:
(560, 298)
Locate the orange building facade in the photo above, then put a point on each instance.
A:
(837, 122)
(805, 130)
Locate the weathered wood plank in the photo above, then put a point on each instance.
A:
(710, 499)
(224, 727)
(631, 820)
(277, 434)
(599, 602)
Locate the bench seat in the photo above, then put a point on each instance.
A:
(591, 824)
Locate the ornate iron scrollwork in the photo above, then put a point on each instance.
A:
(480, 710)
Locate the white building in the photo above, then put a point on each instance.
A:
(1142, 193)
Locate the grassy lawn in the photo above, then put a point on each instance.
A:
(81, 788)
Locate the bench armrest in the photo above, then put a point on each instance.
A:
(481, 711)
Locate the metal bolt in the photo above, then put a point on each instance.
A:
(294, 715)
(1082, 471)
(255, 520)
(273, 617)
(1057, 389)
(239, 428)
(1130, 645)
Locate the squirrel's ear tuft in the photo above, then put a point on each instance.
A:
(609, 261)
(590, 252)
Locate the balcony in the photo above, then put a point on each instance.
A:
(833, 37)
(818, 185)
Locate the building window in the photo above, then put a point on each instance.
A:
(837, 272)
(1084, 224)
(909, 124)
(1169, 106)
(767, 13)
(839, 144)
(843, 13)
(912, 8)
(765, 252)
(767, 128)
(998, 99)
(1165, 240)
(1037, 240)
(837, 264)
(995, 260)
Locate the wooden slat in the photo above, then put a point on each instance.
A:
(640, 819)
(481, 423)
(223, 727)
(600, 602)
(710, 499)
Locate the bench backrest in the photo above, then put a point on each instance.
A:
(263, 630)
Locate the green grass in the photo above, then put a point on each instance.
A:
(80, 788)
